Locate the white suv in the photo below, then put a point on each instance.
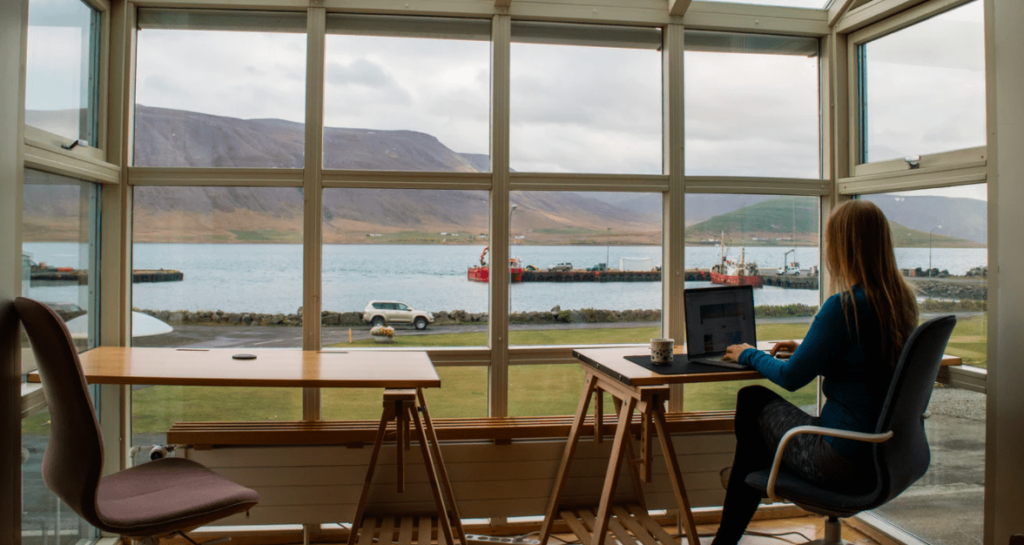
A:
(393, 312)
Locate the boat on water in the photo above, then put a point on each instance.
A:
(482, 272)
(736, 273)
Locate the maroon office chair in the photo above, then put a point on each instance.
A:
(146, 502)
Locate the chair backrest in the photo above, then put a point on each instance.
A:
(905, 458)
(73, 462)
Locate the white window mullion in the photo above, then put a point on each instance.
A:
(312, 227)
(497, 376)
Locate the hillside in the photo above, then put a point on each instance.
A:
(792, 219)
(173, 138)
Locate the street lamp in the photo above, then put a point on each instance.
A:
(930, 249)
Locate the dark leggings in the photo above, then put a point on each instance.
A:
(762, 418)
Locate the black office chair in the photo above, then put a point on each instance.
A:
(901, 453)
(146, 502)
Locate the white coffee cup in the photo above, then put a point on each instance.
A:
(661, 351)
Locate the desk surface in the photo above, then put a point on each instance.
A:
(613, 362)
(271, 368)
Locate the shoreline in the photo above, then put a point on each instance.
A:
(329, 318)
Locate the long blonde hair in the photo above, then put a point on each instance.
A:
(859, 250)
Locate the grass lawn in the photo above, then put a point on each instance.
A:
(970, 340)
(533, 389)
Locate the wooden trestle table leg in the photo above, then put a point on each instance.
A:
(668, 451)
(357, 521)
(445, 481)
(612, 476)
(443, 520)
(570, 449)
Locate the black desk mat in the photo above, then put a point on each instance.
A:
(679, 366)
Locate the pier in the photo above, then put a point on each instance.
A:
(41, 276)
(691, 275)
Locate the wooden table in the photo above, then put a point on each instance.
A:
(634, 389)
(403, 375)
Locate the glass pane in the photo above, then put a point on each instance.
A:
(62, 75)
(765, 239)
(222, 269)
(925, 87)
(463, 393)
(751, 105)
(585, 103)
(942, 246)
(415, 96)
(45, 519)
(210, 97)
(586, 267)
(946, 505)
(398, 258)
(586, 270)
(58, 257)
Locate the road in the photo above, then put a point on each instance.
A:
(218, 336)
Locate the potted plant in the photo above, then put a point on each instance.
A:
(383, 333)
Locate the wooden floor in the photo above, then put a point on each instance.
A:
(772, 532)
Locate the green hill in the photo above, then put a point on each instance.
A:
(795, 221)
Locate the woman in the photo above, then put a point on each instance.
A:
(853, 343)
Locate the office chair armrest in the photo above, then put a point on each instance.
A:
(816, 430)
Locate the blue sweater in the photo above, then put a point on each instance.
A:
(857, 376)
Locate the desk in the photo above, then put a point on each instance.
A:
(404, 375)
(633, 388)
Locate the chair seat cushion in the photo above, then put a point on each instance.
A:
(813, 497)
(168, 495)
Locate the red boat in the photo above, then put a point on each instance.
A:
(733, 273)
(482, 273)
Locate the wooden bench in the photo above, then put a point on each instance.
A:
(204, 435)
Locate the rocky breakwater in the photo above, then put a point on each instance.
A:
(330, 318)
(951, 289)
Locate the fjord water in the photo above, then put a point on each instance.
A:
(267, 278)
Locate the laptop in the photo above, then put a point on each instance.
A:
(717, 318)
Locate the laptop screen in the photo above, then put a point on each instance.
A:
(718, 317)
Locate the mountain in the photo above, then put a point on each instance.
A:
(959, 217)
(174, 138)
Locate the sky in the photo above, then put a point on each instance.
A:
(573, 108)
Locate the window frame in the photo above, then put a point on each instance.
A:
(949, 160)
(39, 141)
(501, 182)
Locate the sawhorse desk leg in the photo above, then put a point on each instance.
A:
(401, 407)
(649, 402)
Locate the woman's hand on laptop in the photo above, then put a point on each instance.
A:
(786, 348)
(733, 352)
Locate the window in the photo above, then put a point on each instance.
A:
(211, 93)
(769, 239)
(45, 518)
(62, 76)
(923, 87)
(942, 248)
(586, 269)
(404, 93)
(59, 263)
(752, 105)
(403, 258)
(215, 267)
(585, 99)
(59, 257)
